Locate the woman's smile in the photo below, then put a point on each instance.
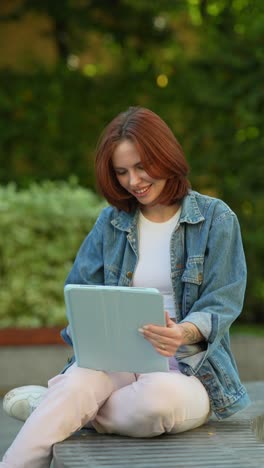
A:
(142, 192)
(133, 177)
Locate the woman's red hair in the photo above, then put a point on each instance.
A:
(161, 155)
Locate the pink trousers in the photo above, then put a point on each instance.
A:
(136, 405)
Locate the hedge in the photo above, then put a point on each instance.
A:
(41, 230)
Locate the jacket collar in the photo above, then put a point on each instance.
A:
(125, 221)
(190, 214)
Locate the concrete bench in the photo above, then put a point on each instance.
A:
(230, 443)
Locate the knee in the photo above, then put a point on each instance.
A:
(88, 383)
(158, 397)
(177, 405)
(75, 383)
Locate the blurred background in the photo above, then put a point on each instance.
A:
(66, 69)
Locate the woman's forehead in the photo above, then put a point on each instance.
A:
(126, 153)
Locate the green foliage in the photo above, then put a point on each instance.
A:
(128, 22)
(44, 133)
(247, 329)
(41, 230)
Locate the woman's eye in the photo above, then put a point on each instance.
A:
(119, 173)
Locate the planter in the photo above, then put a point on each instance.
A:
(30, 336)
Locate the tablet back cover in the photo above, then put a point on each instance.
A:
(104, 323)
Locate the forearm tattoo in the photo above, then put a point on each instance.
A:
(191, 333)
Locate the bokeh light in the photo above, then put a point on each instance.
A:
(162, 80)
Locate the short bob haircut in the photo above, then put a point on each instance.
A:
(161, 155)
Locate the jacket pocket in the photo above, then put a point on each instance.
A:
(220, 378)
(192, 278)
(111, 274)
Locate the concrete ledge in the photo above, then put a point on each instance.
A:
(24, 365)
(218, 444)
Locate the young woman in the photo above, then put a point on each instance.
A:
(155, 233)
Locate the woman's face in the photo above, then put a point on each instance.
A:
(132, 176)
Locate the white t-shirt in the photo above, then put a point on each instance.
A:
(153, 269)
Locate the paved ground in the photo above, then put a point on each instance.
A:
(8, 429)
(232, 439)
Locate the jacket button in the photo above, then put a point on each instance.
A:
(129, 274)
(200, 276)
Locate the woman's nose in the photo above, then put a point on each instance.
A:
(134, 178)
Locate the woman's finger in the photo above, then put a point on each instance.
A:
(164, 348)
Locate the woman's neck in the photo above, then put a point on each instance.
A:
(159, 213)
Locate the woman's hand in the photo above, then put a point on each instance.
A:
(166, 340)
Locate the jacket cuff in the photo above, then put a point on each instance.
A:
(203, 321)
(66, 335)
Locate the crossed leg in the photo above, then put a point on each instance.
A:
(72, 399)
(155, 403)
(142, 405)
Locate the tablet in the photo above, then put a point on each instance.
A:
(104, 322)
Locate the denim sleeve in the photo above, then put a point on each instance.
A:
(88, 265)
(224, 280)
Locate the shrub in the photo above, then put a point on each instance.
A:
(41, 230)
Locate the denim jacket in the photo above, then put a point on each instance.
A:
(208, 274)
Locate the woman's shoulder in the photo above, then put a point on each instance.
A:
(106, 215)
(112, 215)
(211, 206)
(107, 212)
